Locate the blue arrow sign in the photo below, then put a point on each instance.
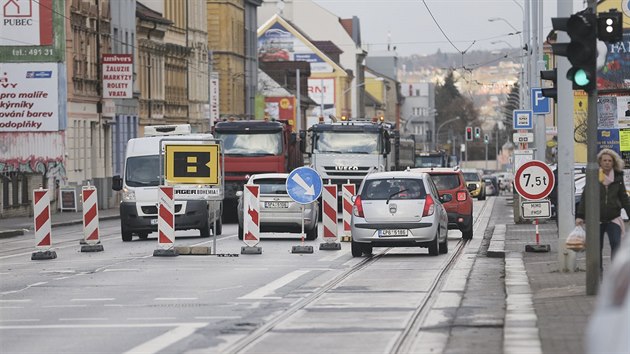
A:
(540, 103)
(304, 185)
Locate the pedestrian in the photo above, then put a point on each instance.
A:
(612, 198)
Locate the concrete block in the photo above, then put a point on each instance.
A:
(165, 253)
(330, 246)
(92, 248)
(40, 255)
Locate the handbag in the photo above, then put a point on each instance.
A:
(576, 241)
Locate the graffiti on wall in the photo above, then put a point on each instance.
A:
(33, 152)
(50, 168)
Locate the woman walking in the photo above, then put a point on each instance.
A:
(612, 198)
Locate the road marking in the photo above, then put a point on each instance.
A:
(23, 320)
(98, 326)
(62, 306)
(84, 319)
(15, 300)
(122, 270)
(11, 307)
(218, 317)
(262, 292)
(159, 343)
(26, 288)
(96, 299)
(150, 318)
(176, 299)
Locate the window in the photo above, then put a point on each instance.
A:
(445, 181)
(272, 185)
(393, 189)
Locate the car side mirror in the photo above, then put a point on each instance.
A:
(117, 183)
(445, 198)
(293, 138)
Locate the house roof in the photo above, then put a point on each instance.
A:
(145, 13)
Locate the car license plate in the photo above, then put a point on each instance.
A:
(153, 221)
(393, 232)
(277, 205)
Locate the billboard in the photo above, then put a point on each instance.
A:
(322, 91)
(280, 108)
(32, 30)
(279, 44)
(29, 97)
(117, 75)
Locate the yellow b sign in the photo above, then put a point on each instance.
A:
(192, 164)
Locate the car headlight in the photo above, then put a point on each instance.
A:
(128, 195)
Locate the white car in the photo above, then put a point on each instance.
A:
(399, 209)
(609, 327)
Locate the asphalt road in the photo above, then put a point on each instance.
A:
(125, 300)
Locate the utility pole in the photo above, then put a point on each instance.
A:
(298, 108)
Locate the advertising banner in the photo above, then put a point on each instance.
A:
(322, 91)
(28, 97)
(277, 43)
(615, 74)
(32, 30)
(214, 98)
(280, 108)
(117, 75)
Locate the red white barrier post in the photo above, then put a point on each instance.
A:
(347, 192)
(41, 219)
(89, 196)
(166, 223)
(329, 218)
(251, 220)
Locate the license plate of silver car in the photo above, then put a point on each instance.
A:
(392, 232)
(277, 205)
(154, 221)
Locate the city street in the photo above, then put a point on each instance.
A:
(126, 300)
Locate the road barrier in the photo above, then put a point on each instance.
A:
(166, 223)
(41, 219)
(251, 220)
(329, 218)
(347, 192)
(91, 236)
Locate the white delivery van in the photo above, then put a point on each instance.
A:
(141, 180)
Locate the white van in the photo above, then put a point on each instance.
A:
(140, 183)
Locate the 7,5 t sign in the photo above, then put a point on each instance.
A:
(534, 180)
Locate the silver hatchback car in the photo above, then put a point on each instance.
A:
(278, 212)
(399, 209)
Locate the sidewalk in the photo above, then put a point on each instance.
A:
(547, 301)
(17, 226)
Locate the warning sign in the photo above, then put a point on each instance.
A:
(192, 164)
(117, 76)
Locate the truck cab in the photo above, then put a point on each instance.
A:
(141, 180)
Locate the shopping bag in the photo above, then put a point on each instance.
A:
(576, 240)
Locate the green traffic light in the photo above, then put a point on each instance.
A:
(580, 78)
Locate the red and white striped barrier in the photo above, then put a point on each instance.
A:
(347, 192)
(166, 218)
(329, 208)
(251, 215)
(90, 215)
(41, 217)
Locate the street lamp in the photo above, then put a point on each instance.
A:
(493, 19)
(443, 124)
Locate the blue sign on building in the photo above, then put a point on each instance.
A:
(304, 185)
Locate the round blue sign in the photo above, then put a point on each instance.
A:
(304, 185)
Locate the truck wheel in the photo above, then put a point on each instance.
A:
(126, 235)
(219, 227)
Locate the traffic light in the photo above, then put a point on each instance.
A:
(485, 139)
(582, 51)
(469, 134)
(551, 75)
(477, 132)
(610, 26)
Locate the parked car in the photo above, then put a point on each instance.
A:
(450, 181)
(492, 185)
(399, 209)
(278, 212)
(475, 182)
(609, 326)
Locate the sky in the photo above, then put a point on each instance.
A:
(466, 23)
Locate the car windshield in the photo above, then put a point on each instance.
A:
(251, 144)
(143, 171)
(347, 142)
(445, 181)
(272, 185)
(392, 189)
(429, 161)
(471, 177)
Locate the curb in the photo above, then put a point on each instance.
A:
(496, 249)
(20, 232)
(520, 331)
